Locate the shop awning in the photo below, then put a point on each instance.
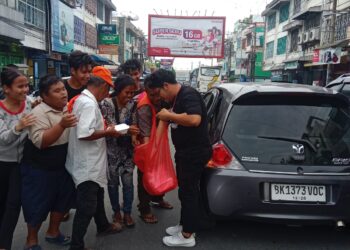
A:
(274, 6)
(102, 60)
(305, 14)
(293, 25)
(340, 43)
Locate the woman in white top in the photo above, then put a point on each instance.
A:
(14, 119)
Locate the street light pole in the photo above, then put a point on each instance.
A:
(332, 38)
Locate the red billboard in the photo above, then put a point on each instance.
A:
(184, 36)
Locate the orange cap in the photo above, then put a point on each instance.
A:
(103, 73)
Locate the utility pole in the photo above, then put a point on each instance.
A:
(331, 40)
(253, 56)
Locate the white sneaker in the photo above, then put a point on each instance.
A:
(174, 230)
(178, 240)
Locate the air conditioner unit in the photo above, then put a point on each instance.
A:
(300, 39)
(314, 34)
(305, 37)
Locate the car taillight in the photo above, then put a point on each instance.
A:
(222, 158)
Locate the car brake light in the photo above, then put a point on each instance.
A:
(222, 158)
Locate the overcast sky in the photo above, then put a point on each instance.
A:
(233, 10)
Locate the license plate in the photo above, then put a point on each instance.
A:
(296, 192)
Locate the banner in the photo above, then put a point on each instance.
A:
(62, 27)
(183, 36)
(166, 64)
(327, 56)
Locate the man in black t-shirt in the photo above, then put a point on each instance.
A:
(80, 64)
(189, 131)
(133, 68)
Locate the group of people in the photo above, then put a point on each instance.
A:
(61, 153)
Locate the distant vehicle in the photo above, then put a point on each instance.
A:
(281, 152)
(205, 77)
(345, 77)
(341, 84)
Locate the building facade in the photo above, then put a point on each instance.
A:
(299, 42)
(37, 35)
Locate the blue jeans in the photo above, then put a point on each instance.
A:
(128, 193)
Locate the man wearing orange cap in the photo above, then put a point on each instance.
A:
(87, 158)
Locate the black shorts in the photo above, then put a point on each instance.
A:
(44, 191)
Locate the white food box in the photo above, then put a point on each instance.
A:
(122, 128)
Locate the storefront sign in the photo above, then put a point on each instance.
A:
(291, 65)
(180, 36)
(166, 63)
(79, 30)
(108, 49)
(327, 56)
(62, 27)
(107, 34)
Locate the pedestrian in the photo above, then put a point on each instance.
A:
(121, 108)
(80, 64)
(150, 104)
(133, 68)
(189, 131)
(15, 118)
(46, 185)
(87, 158)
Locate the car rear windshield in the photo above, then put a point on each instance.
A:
(304, 130)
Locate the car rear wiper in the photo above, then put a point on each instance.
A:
(291, 139)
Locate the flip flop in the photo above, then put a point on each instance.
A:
(162, 204)
(60, 240)
(34, 247)
(112, 229)
(149, 218)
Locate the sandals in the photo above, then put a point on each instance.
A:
(60, 240)
(117, 218)
(128, 221)
(162, 204)
(112, 229)
(149, 218)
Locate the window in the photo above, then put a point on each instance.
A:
(284, 13)
(271, 22)
(100, 10)
(281, 45)
(272, 123)
(269, 50)
(294, 40)
(34, 12)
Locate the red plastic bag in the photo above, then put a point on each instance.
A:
(159, 175)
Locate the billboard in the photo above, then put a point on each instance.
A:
(327, 56)
(183, 36)
(62, 27)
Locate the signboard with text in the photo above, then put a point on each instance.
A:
(108, 40)
(183, 36)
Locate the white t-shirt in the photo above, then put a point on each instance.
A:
(87, 160)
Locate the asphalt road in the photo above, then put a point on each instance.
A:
(238, 235)
(226, 234)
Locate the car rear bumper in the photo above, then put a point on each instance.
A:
(232, 193)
